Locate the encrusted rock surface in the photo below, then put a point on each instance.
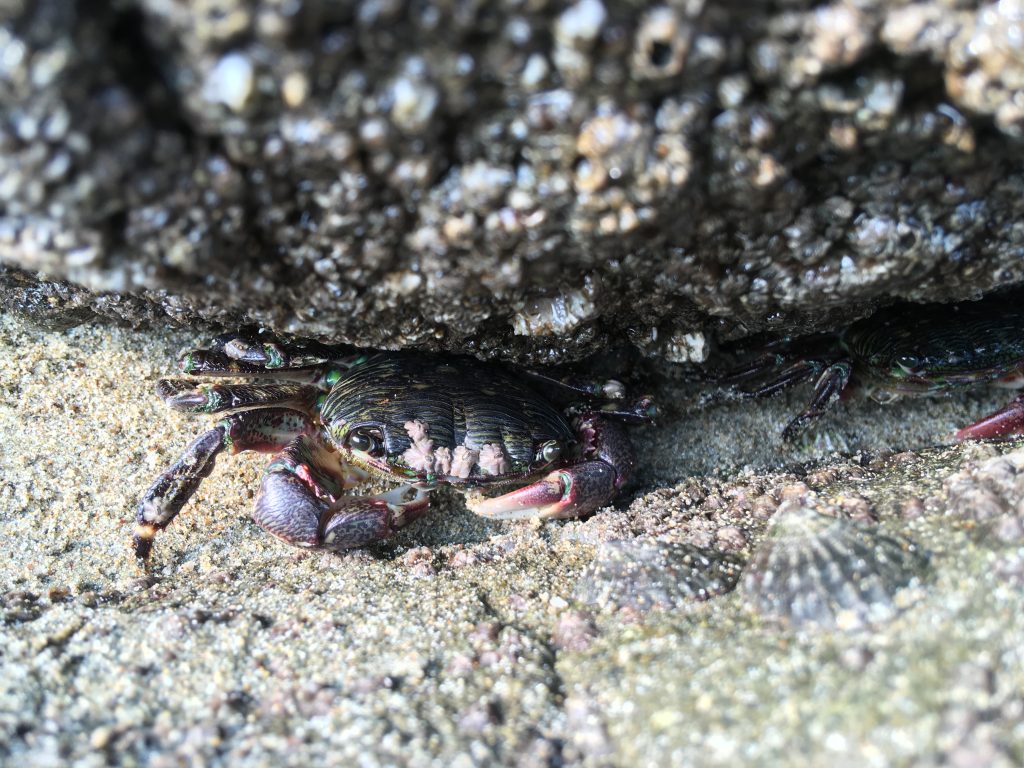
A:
(534, 182)
(529, 182)
(610, 641)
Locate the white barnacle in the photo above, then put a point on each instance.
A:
(443, 461)
(493, 460)
(152, 511)
(420, 455)
(417, 430)
(463, 460)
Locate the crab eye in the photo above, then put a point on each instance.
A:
(909, 363)
(363, 442)
(551, 451)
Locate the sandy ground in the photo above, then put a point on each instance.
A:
(468, 642)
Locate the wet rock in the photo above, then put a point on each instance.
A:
(991, 494)
(320, 659)
(532, 183)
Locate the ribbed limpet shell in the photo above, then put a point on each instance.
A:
(644, 574)
(814, 569)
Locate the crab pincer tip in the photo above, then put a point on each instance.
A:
(1005, 422)
(142, 541)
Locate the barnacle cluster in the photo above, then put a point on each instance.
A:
(577, 174)
(641, 574)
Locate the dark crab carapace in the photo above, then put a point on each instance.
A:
(904, 350)
(334, 419)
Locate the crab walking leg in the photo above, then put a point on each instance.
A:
(639, 411)
(827, 389)
(610, 389)
(268, 351)
(298, 501)
(208, 362)
(264, 356)
(266, 430)
(1008, 420)
(188, 396)
(787, 377)
(575, 490)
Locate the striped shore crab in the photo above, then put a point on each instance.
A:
(334, 418)
(903, 350)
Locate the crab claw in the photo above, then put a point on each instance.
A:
(570, 492)
(355, 521)
(298, 501)
(1008, 420)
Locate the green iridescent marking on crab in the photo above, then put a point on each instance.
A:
(213, 399)
(274, 357)
(229, 441)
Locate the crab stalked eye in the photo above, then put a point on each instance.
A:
(909, 363)
(364, 442)
(551, 451)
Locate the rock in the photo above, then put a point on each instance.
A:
(458, 642)
(529, 183)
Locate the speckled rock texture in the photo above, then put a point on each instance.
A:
(525, 181)
(667, 629)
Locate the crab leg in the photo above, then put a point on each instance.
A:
(187, 396)
(1008, 420)
(268, 351)
(827, 389)
(639, 411)
(607, 390)
(787, 377)
(264, 356)
(758, 367)
(298, 501)
(209, 362)
(575, 490)
(266, 430)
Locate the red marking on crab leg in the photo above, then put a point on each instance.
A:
(1006, 421)
(570, 492)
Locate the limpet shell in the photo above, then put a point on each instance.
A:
(814, 569)
(644, 574)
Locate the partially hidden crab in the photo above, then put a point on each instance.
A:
(904, 350)
(334, 419)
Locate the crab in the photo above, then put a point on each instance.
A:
(334, 418)
(903, 350)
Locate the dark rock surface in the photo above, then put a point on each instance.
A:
(525, 181)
